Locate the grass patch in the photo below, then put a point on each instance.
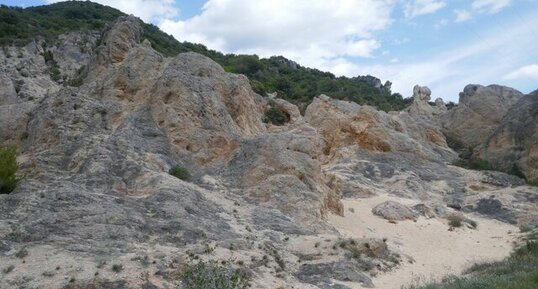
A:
(519, 271)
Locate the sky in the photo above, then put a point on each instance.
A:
(442, 44)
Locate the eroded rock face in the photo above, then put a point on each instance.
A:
(479, 112)
(25, 77)
(514, 143)
(345, 124)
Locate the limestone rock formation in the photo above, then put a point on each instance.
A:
(421, 108)
(345, 124)
(479, 112)
(513, 145)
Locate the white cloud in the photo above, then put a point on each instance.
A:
(491, 6)
(147, 10)
(525, 72)
(314, 33)
(481, 61)
(462, 16)
(441, 23)
(415, 8)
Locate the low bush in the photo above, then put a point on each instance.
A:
(276, 115)
(8, 169)
(180, 173)
(474, 164)
(456, 221)
(453, 141)
(215, 275)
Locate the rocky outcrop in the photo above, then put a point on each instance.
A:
(344, 124)
(513, 145)
(100, 127)
(479, 112)
(394, 211)
(421, 108)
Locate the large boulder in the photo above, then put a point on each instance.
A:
(394, 211)
(479, 112)
(513, 145)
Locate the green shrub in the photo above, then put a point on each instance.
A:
(180, 173)
(473, 164)
(453, 141)
(516, 171)
(258, 87)
(8, 169)
(456, 221)
(117, 268)
(215, 275)
(275, 115)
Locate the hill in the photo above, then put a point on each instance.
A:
(291, 81)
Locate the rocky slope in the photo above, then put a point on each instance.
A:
(97, 206)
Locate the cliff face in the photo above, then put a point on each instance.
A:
(100, 122)
(514, 143)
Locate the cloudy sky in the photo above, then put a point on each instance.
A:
(439, 43)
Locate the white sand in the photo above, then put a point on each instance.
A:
(436, 251)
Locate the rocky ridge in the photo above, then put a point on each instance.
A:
(96, 157)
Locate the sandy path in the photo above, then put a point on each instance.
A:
(436, 251)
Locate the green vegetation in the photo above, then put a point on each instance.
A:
(474, 164)
(215, 275)
(456, 221)
(117, 268)
(275, 115)
(18, 26)
(519, 271)
(291, 81)
(454, 142)
(180, 173)
(8, 169)
(516, 171)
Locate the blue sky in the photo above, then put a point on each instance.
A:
(439, 43)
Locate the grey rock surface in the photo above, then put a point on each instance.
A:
(321, 274)
(394, 211)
